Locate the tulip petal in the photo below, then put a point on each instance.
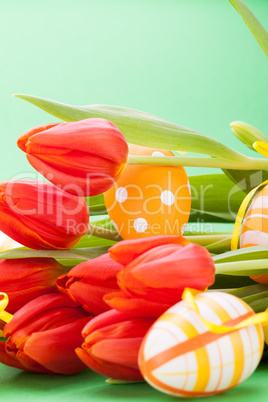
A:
(88, 282)
(136, 306)
(24, 137)
(103, 268)
(37, 306)
(90, 297)
(127, 250)
(123, 352)
(94, 184)
(26, 279)
(175, 269)
(40, 215)
(20, 233)
(115, 318)
(10, 361)
(88, 135)
(109, 370)
(55, 349)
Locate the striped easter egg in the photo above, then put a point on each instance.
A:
(180, 356)
(254, 230)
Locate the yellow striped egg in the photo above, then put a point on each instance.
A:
(180, 356)
(255, 226)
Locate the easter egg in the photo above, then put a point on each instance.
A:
(254, 230)
(180, 356)
(149, 200)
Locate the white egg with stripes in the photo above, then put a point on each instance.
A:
(181, 356)
(254, 230)
(255, 224)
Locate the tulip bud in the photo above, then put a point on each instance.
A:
(126, 251)
(42, 216)
(88, 282)
(27, 278)
(43, 335)
(155, 280)
(84, 157)
(247, 134)
(111, 344)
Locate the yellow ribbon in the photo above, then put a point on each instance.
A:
(262, 148)
(260, 318)
(4, 315)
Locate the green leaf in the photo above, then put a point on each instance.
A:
(140, 128)
(214, 198)
(248, 291)
(230, 282)
(243, 268)
(257, 30)
(78, 254)
(220, 246)
(258, 306)
(96, 205)
(246, 180)
(243, 254)
(92, 241)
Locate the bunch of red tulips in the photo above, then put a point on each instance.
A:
(97, 314)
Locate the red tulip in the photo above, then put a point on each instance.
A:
(126, 251)
(43, 335)
(111, 344)
(88, 282)
(25, 279)
(85, 157)
(155, 280)
(42, 216)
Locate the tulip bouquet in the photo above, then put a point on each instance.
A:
(136, 296)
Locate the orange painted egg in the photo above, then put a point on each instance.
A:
(255, 226)
(149, 200)
(180, 356)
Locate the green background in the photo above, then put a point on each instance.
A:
(192, 62)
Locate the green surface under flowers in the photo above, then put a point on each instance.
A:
(17, 386)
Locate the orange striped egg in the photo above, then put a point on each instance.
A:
(255, 226)
(180, 356)
(149, 200)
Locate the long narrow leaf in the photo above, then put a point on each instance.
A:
(81, 254)
(243, 268)
(243, 254)
(140, 128)
(257, 30)
(246, 180)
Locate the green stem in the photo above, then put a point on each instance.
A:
(245, 164)
(259, 305)
(121, 382)
(243, 268)
(103, 233)
(221, 245)
(207, 240)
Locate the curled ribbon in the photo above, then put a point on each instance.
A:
(4, 315)
(260, 318)
(261, 148)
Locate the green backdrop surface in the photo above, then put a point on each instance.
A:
(192, 62)
(16, 386)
